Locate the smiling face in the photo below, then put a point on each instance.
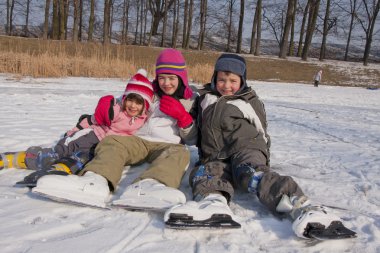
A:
(227, 83)
(134, 105)
(168, 83)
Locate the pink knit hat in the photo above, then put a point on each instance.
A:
(171, 61)
(140, 84)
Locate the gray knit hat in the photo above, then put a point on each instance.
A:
(231, 63)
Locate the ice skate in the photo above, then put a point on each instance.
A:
(211, 212)
(90, 189)
(149, 194)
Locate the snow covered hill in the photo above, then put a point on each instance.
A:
(327, 138)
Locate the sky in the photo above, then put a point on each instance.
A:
(327, 138)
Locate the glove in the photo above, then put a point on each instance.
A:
(172, 107)
(84, 121)
(104, 110)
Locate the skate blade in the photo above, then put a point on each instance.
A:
(67, 201)
(216, 221)
(335, 231)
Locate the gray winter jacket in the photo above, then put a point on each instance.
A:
(230, 124)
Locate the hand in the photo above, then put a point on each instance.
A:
(175, 109)
(104, 110)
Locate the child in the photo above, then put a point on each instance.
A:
(234, 153)
(317, 78)
(123, 117)
(156, 143)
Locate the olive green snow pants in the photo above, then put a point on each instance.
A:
(168, 162)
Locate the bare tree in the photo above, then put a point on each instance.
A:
(259, 17)
(26, 30)
(157, 9)
(368, 25)
(164, 23)
(240, 31)
(327, 25)
(10, 10)
(175, 23)
(302, 30)
(189, 24)
(46, 23)
(76, 20)
(313, 14)
(202, 28)
(55, 19)
(352, 18)
(137, 20)
(107, 22)
(91, 21)
(61, 14)
(288, 22)
(184, 30)
(231, 4)
(291, 42)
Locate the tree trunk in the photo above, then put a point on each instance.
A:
(369, 33)
(55, 20)
(76, 20)
(240, 30)
(106, 27)
(91, 21)
(202, 28)
(61, 14)
(164, 24)
(189, 24)
(322, 53)
(253, 34)
(141, 21)
(285, 34)
(175, 23)
(313, 14)
(145, 20)
(302, 31)
(80, 20)
(185, 12)
(259, 17)
(10, 26)
(26, 30)
(291, 43)
(353, 14)
(137, 22)
(157, 9)
(229, 28)
(46, 22)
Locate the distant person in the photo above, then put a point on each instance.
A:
(317, 78)
(123, 116)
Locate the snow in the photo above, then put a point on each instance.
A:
(327, 138)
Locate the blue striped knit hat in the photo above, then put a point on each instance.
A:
(171, 61)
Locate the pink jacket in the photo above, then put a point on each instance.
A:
(122, 124)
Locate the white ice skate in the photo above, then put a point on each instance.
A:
(211, 212)
(313, 221)
(149, 194)
(90, 189)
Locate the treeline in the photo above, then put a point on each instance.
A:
(191, 23)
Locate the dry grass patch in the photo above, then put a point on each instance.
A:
(40, 58)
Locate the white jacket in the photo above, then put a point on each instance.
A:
(162, 128)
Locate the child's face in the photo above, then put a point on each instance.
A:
(132, 107)
(168, 83)
(227, 83)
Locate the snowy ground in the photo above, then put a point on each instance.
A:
(327, 138)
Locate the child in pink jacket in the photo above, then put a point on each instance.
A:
(123, 116)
